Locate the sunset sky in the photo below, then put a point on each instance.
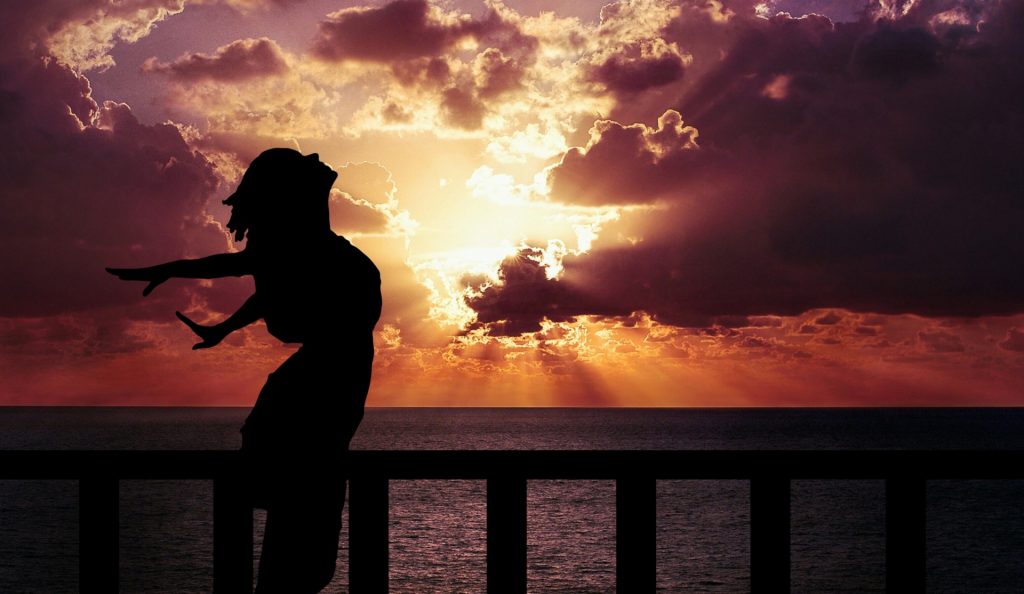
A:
(572, 203)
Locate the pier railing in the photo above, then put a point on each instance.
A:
(506, 473)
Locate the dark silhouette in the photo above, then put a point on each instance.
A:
(312, 287)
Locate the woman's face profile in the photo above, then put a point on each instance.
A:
(281, 189)
(318, 170)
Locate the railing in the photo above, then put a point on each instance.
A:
(506, 473)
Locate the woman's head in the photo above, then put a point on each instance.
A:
(282, 192)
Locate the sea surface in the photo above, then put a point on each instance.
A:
(975, 529)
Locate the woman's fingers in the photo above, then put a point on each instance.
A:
(188, 322)
(152, 285)
(138, 274)
(207, 333)
(125, 273)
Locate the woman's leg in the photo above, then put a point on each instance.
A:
(300, 543)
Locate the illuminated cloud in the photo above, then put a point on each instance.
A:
(364, 201)
(793, 203)
(253, 6)
(848, 204)
(238, 60)
(85, 39)
(628, 164)
(249, 89)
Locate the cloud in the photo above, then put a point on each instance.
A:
(461, 109)
(92, 29)
(398, 30)
(432, 69)
(365, 201)
(627, 164)
(239, 60)
(496, 74)
(1014, 341)
(406, 29)
(639, 65)
(350, 216)
(522, 298)
(292, 103)
(90, 186)
(941, 341)
(853, 186)
(829, 319)
(253, 6)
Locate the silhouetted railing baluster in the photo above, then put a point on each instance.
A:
(905, 569)
(506, 535)
(636, 538)
(232, 538)
(506, 473)
(98, 538)
(769, 535)
(368, 535)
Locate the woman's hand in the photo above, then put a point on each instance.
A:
(148, 273)
(211, 335)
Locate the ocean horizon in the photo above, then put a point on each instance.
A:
(438, 528)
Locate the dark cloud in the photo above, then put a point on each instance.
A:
(638, 65)
(394, 113)
(409, 29)
(897, 54)
(523, 298)
(462, 109)
(941, 341)
(399, 30)
(829, 319)
(428, 73)
(628, 164)
(88, 186)
(239, 60)
(1014, 340)
(754, 342)
(496, 74)
(869, 166)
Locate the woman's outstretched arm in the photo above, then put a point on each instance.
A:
(215, 266)
(212, 335)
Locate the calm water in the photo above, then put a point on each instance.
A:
(975, 528)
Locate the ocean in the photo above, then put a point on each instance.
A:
(975, 529)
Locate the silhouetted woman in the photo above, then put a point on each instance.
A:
(312, 287)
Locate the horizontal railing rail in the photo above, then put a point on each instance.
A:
(507, 472)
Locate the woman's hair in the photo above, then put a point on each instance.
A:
(277, 187)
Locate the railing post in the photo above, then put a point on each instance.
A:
(232, 537)
(636, 538)
(368, 535)
(98, 534)
(769, 535)
(905, 565)
(506, 535)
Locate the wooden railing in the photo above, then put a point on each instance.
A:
(506, 473)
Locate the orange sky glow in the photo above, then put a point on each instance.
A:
(636, 203)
